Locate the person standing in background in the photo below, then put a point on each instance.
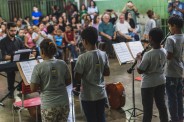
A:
(130, 7)
(149, 24)
(176, 8)
(36, 15)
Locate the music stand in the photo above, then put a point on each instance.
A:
(22, 56)
(133, 112)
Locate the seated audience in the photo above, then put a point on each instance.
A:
(59, 37)
(124, 31)
(70, 42)
(92, 9)
(108, 34)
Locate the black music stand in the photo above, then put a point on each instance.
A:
(133, 112)
(23, 56)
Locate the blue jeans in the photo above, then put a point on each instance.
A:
(94, 110)
(73, 51)
(174, 89)
(156, 93)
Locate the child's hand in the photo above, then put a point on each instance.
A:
(73, 43)
(139, 57)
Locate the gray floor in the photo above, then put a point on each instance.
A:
(118, 74)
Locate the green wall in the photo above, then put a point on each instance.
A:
(158, 6)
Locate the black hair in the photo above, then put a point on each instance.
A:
(126, 15)
(27, 17)
(93, 3)
(129, 1)
(90, 35)
(150, 13)
(48, 48)
(50, 29)
(69, 26)
(94, 19)
(156, 34)
(176, 20)
(11, 24)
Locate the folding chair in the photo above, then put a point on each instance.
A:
(28, 103)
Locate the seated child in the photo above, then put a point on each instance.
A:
(59, 42)
(70, 42)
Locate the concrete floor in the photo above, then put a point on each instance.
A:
(118, 74)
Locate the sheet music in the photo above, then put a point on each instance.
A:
(16, 57)
(135, 48)
(122, 52)
(27, 69)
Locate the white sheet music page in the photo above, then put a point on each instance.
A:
(122, 52)
(135, 48)
(27, 68)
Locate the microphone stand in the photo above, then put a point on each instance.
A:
(131, 71)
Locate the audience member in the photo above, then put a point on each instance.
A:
(113, 15)
(28, 41)
(59, 37)
(61, 24)
(149, 24)
(108, 34)
(176, 8)
(36, 15)
(92, 9)
(124, 31)
(70, 42)
(130, 7)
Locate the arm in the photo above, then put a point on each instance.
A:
(78, 77)
(25, 41)
(169, 55)
(135, 9)
(142, 63)
(66, 39)
(124, 9)
(5, 55)
(105, 35)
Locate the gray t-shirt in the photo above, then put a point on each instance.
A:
(51, 75)
(153, 63)
(149, 25)
(175, 44)
(91, 65)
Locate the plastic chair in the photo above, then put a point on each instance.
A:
(28, 103)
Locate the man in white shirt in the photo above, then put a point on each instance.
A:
(124, 31)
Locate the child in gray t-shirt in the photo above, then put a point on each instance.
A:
(174, 68)
(90, 69)
(151, 66)
(51, 76)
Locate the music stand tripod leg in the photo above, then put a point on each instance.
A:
(1, 104)
(133, 112)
